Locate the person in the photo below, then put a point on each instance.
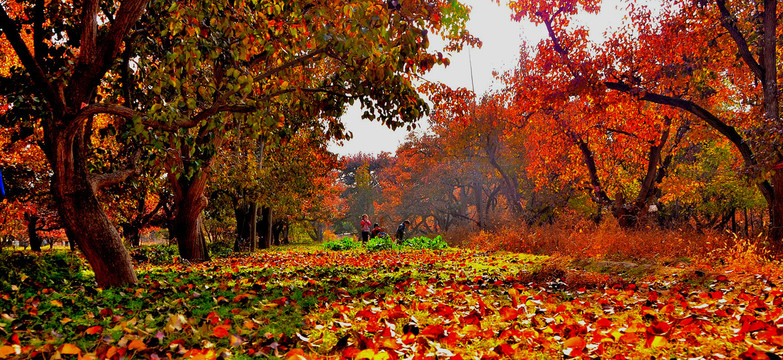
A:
(365, 224)
(400, 234)
(376, 230)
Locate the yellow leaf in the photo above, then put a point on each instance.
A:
(70, 349)
(616, 335)
(383, 355)
(471, 330)
(65, 321)
(658, 341)
(56, 303)
(366, 354)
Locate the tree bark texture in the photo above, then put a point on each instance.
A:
(83, 215)
(190, 200)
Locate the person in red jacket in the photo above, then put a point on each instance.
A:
(365, 225)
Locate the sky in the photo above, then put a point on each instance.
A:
(501, 38)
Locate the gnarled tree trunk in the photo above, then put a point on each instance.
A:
(190, 200)
(83, 216)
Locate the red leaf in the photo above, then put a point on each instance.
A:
(432, 332)
(508, 313)
(94, 330)
(444, 310)
(603, 323)
(220, 331)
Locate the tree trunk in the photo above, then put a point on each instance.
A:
(253, 223)
(83, 216)
(92, 231)
(190, 201)
(132, 233)
(32, 235)
(265, 233)
(776, 212)
(242, 215)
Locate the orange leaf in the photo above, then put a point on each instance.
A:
(575, 342)
(295, 354)
(94, 330)
(70, 349)
(508, 313)
(220, 331)
(137, 345)
(7, 350)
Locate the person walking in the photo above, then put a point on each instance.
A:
(365, 225)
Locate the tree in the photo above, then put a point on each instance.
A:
(66, 76)
(308, 59)
(653, 61)
(74, 49)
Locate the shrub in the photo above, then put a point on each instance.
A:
(154, 254)
(220, 249)
(381, 243)
(423, 242)
(47, 268)
(345, 243)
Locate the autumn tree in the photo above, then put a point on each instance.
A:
(243, 61)
(359, 175)
(729, 85)
(72, 49)
(269, 66)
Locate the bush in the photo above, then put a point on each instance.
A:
(387, 243)
(154, 254)
(345, 243)
(380, 243)
(423, 242)
(47, 268)
(219, 249)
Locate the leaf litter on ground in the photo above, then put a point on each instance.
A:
(454, 304)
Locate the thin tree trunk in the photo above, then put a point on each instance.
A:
(253, 223)
(32, 234)
(265, 235)
(776, 211)
(747, 230)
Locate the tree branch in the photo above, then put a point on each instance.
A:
(728, 131)
(298, 61)
(89, 32)
(729, 23)
(104, 180)
(37, 74)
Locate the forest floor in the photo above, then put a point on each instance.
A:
(307, 303)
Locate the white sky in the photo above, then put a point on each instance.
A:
(501, 38)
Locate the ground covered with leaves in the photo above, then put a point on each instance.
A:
(445, 304)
